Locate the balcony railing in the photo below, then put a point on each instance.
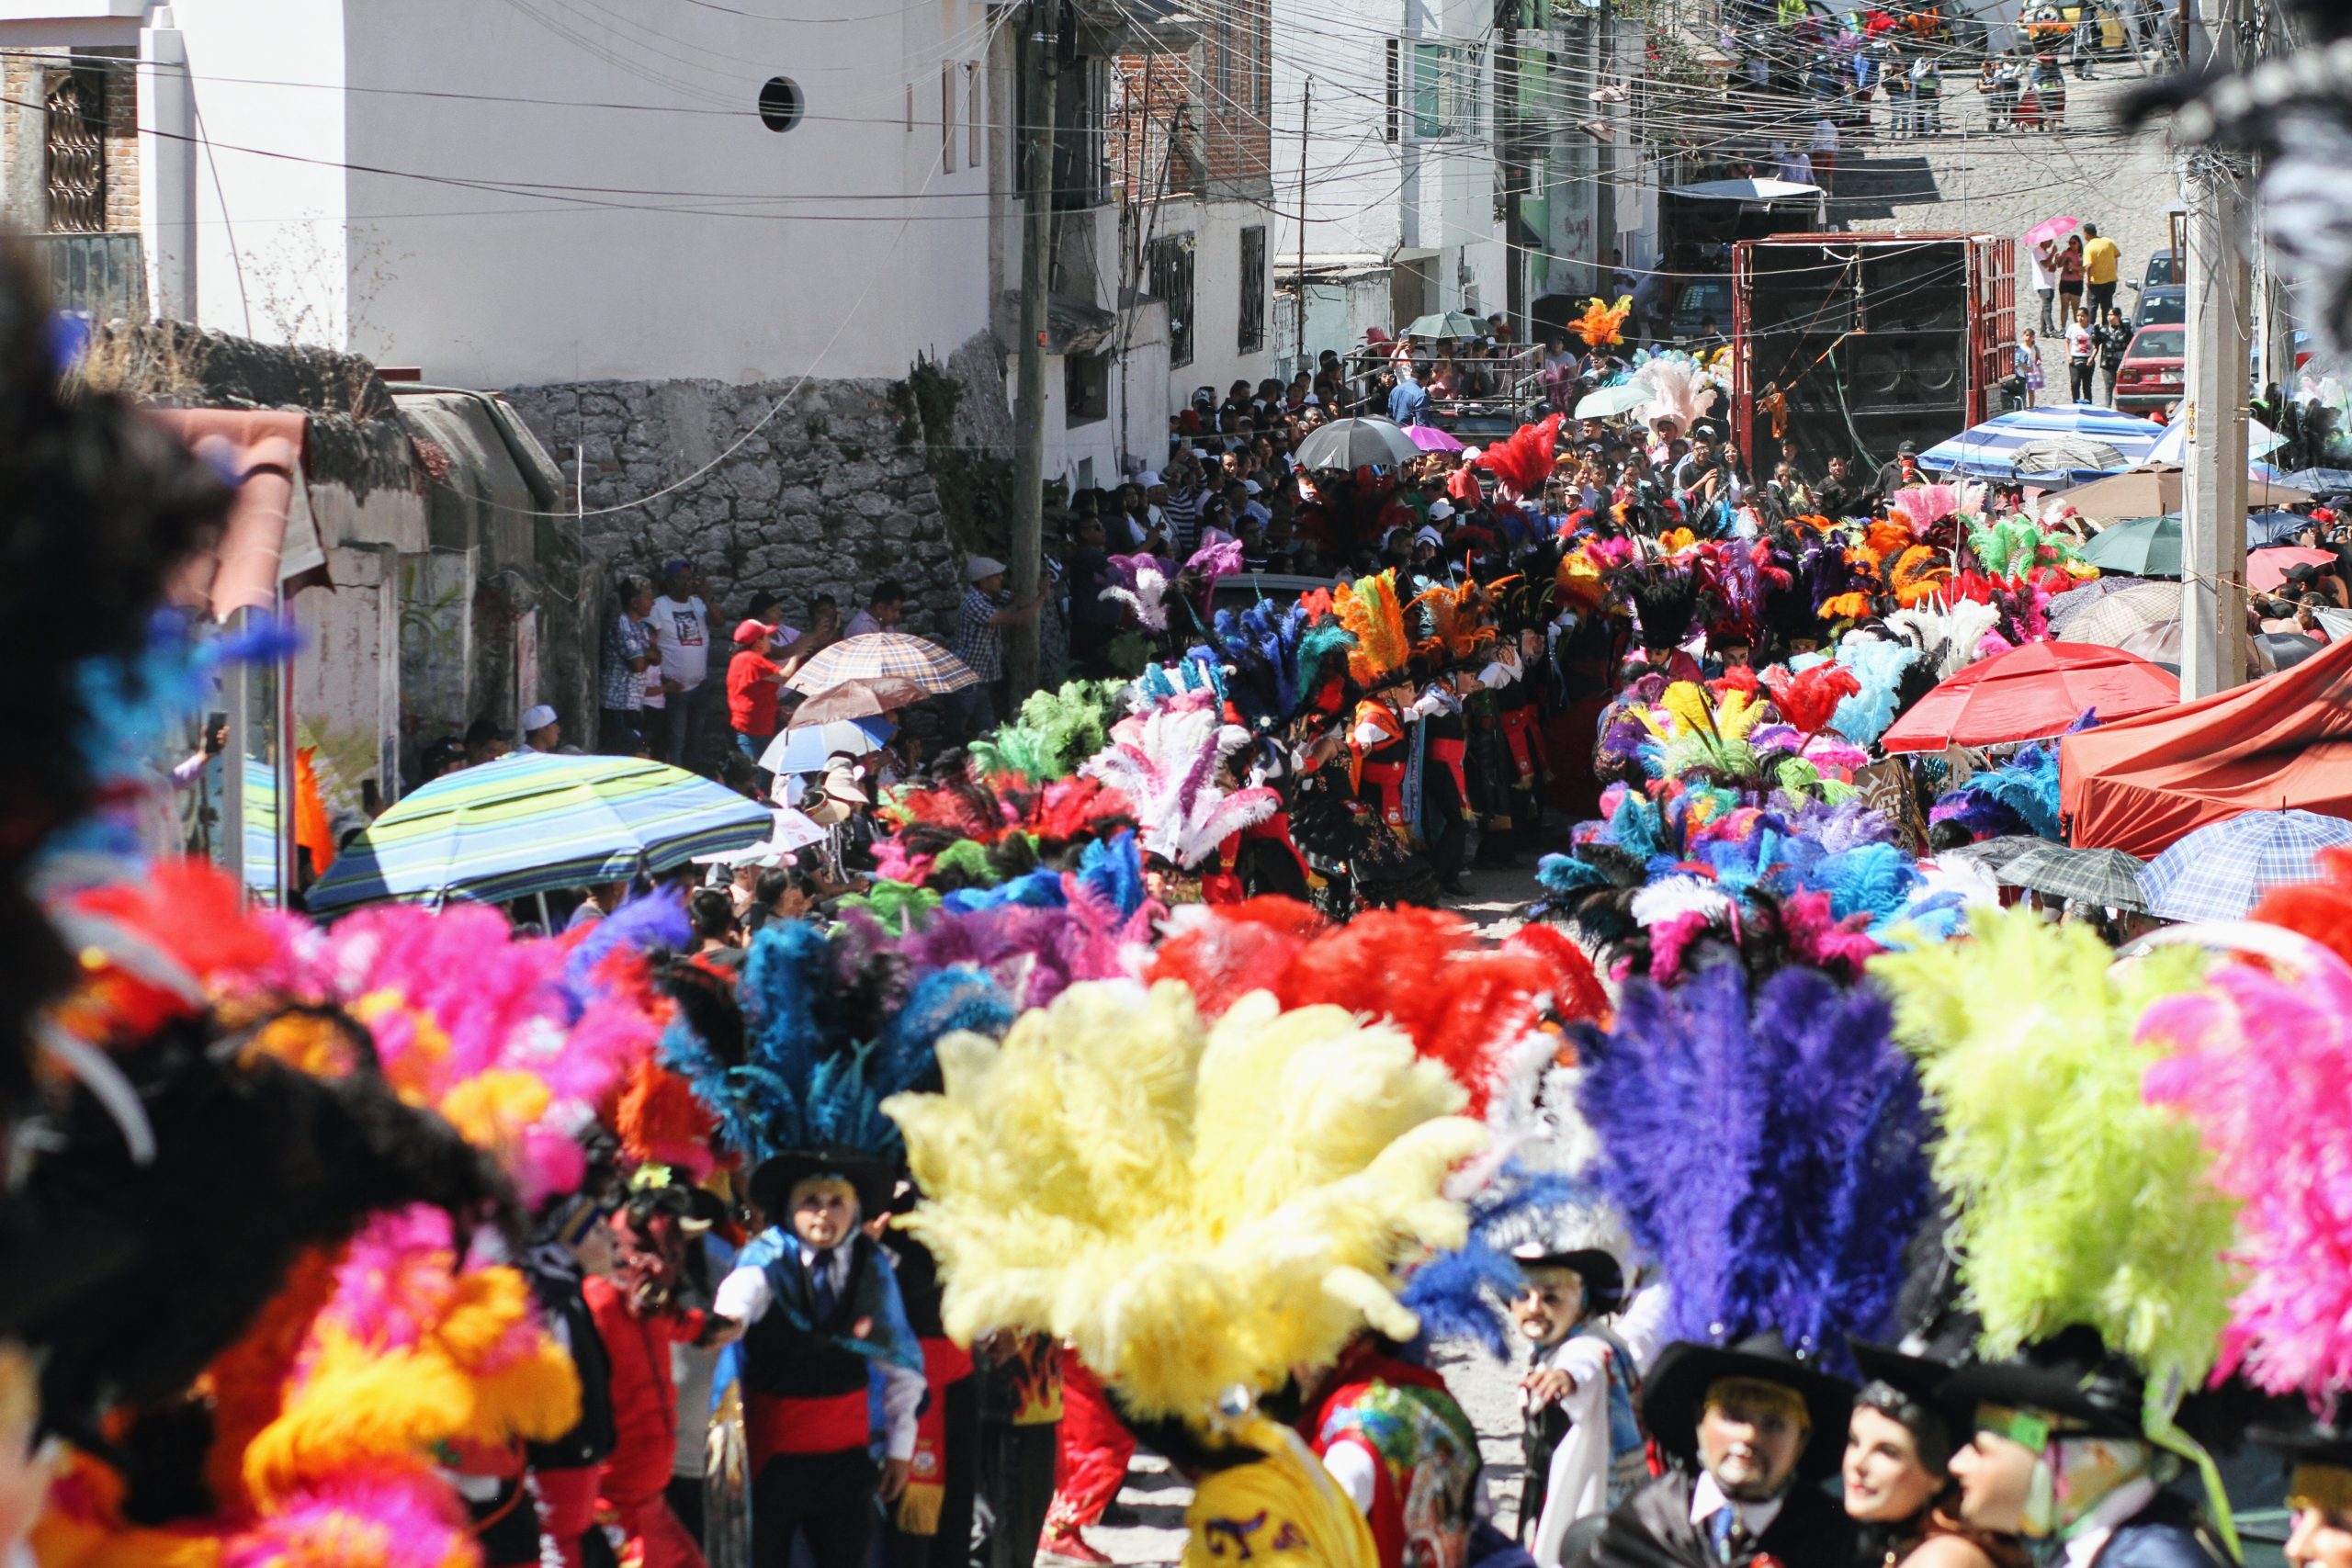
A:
(99, 276)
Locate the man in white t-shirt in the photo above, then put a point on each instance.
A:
(681, 631)
(2039, 259)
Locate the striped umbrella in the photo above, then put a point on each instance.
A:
(536, 822)
(885, 655)
(1989, 450)
(2104, 878)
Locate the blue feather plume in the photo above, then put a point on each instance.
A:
(650, 922)
(1465, 1294)
(1771, 1159)
(1112, 868)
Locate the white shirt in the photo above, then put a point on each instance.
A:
(1824, 135)
(2078, 342)
(2099, 1523)
(1707, 1498)
(744, 1297)
(1577, 1484)
(681, 631)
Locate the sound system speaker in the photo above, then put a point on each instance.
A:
(1867, 338)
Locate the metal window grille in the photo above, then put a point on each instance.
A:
(1253, 289)
(75, 150)
(1169, 263)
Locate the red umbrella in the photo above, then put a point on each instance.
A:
(2266, 570)
(2030, 693)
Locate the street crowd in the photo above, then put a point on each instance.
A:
(1107, 1074)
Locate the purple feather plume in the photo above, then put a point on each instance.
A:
(1771, 1157)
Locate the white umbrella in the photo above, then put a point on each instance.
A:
(2172, 447)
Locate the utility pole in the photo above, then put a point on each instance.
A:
(1034, 146)
(2212, 590)
(1305, 109)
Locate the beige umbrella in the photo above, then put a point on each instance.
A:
(2125, 614)
(2153, 490)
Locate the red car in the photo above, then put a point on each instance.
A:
(2148, 380)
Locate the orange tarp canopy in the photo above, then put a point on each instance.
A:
(2285, 740)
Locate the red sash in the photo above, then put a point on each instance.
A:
(1449, 752)
(774, 1426)
(1387, 780)
(1516, 725)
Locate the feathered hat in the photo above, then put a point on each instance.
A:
(1223, 1239)
(1370, 612)
(1768, 1145)
(1165, 763)
(2049, 1156)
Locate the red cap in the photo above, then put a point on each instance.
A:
(753, 631)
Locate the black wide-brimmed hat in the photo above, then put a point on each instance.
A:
(1921, 1380)
(2071, 1375)
(775, 1178)
(1604, 1281)
(1678, 1385)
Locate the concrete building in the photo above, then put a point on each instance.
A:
(714, 255)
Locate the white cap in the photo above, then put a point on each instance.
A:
(1312, 401)
(1148, 478)
(1200, 451)
(981, 566)
(1249, 487)
(539, 716)
(1431, 538)
(1471, 454)
(1439, 509)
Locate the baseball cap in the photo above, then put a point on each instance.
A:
(753, 631)
(1909, 449)
(1249, 487)
(1441, 510)
(981, 566)
(1431, 538)
(1148, 478)
(539, 716)
(674, 565)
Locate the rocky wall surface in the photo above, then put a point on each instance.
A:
(831, 494)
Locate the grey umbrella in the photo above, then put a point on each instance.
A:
(2072, 457)
(1352, 443)
(1994, 853)
(2063, 608)
(2108, 879)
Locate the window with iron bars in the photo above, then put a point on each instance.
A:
(1167, 262)
(74, 145)
(1253, 289)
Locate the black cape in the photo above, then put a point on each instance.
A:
(1653, 1529)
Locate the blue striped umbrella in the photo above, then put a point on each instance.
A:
(536, 822)
(1989, 450)
(2218, 871)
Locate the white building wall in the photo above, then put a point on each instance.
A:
(842, 247)
(271, 194)
(1365, 194)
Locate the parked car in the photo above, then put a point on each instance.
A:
(2164, 270)
(2148, 380)
(2165, 305)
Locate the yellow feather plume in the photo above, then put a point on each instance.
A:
(1369, 608)
(1455, 630)
(1269, 1175)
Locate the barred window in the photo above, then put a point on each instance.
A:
(1253, 289)
(1169, 263)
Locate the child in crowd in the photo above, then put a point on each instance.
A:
(1584, 1444)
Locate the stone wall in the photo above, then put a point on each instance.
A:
(829, 495)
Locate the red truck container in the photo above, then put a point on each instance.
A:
(1850, 344)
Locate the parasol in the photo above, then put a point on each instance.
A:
(2053, 230)
(1608, 402)
(1356, 444)
(2145, 546)
(1430, 438)
(2030, 693)
(2267, 568)
(2218, 871)
(885, 655)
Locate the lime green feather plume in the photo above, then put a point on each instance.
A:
(2075, 1201)
(1054, 732)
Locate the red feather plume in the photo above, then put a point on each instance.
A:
(1808, 700)
(1524, 461)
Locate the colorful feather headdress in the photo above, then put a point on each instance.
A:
(1272, 1174)
(2050, 1160)
(1374, 617)
(1457, 623)
(1769, 1148)
(1280, 659)
(1603, 326)
(1165, 761)
(1679, 388)
(1052, 734)
(827, 1038)
(1466, 1003)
